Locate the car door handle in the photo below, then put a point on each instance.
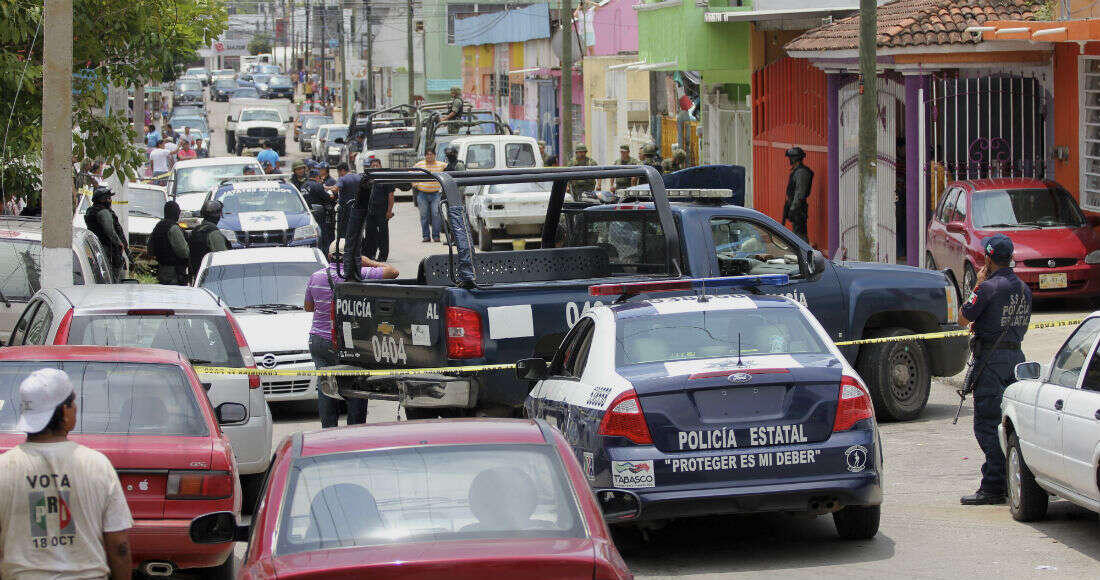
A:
(1058, 405)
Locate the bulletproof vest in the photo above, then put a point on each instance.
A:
(199, 245)
(91, 219)
(790, 181)
(161, 247)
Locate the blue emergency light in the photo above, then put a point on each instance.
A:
(679, 285)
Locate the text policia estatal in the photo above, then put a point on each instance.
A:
(727, 439)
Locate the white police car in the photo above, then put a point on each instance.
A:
(264, 211)
(712, 404)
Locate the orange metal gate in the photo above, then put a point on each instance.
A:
(789, 109)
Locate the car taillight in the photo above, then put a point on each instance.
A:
(246, 353)
(854, 404)
(186, 484)
(624, 418)
(463, 333)
(62, 336)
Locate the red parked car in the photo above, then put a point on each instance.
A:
(146, 410)
(1057, 250)
(462, 499)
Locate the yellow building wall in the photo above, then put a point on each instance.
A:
(594, 71)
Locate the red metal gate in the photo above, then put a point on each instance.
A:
(789, 109)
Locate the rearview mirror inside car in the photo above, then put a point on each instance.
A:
(230, 413)
(531, 369)
(217, 528)
(1028, 371)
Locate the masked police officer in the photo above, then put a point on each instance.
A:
(169, 246)
(798, 189)
(207, 237)
(1000, 310)
(102, 221)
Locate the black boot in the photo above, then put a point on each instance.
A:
(983, 497)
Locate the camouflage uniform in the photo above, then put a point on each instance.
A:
(580, 186)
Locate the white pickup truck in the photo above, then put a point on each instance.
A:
(509, 210)
(250, 122)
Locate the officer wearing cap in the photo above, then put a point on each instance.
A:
(102, 221)
(650, 157)
(581, 159)
(298, 179)
(998, 313)
(798, 189)
(624, 159)
(315, 194)
(677, 162)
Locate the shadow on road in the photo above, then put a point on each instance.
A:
(1071, 526)
(748, 543)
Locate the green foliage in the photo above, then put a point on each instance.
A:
(260, 44)
(115, 42)
(1047, 10)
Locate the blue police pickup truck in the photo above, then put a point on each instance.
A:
(479, 308)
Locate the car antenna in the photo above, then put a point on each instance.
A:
(703, 291)
(739, 363)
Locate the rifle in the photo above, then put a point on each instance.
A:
(971, 378)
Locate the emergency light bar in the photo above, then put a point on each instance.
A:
(722, 282)
(258, 177)
(693, 193)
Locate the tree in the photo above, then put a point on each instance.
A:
(260, 44)
(115, 42)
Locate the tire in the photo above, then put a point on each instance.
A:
(1026, 500)
(222, 572)
(251, 485)
(970, 280)
(857, 522)
(485, 238)
(898, 374)
(929, 261)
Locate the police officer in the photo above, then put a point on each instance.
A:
(650, 157)
(542, 153)
(454, 109)
(1000, 310)
(102, 221)
(451, 155)
(624, 159)
(298, 177)
(315, 194)
(798, 189)
(169, 246)
(677, 162)
(581, 186)
(207, 237)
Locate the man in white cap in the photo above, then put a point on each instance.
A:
(62, 510)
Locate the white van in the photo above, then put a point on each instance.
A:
(495, 151)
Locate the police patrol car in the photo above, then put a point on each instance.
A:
(712, 404)
(264, 210)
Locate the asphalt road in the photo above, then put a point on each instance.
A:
(929, 464)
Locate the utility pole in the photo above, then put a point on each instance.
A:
(412, 71)
(345, 101)
(309, 41)
(567, 81)
(293, 41)
(324, 44)
(57, 144)
(423, 26)
(354, 40)
(370, 59)
(868, 136)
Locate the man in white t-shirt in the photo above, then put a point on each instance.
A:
(161, 158)
(62, 511)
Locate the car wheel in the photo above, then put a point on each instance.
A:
(485, 238)
(897, 373)
(1026, 500)
(970, 280)
(857, 522)
(222, 572)
(929, 261)
(251, 485)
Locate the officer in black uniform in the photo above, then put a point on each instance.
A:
(798, 189)
(1000, 309)
(169, 246)
(102, 221)
(207, 237)
(315, 194)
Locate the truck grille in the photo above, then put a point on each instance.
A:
(265, 237)
(1047, 262)
(284, 386)
(262, 132)
(274, 385)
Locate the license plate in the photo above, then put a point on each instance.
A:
(1052, 281)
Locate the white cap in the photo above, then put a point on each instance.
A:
(41, 392)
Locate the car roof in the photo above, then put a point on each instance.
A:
(23, 228)
(214, 161)
(420, 433)
(493, 139)
(653, 306)
(263, 255)
(91, 353)
(1005, 183)
(119, 298)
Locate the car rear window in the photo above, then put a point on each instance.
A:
(114, 398)
(206, 340)
(427, 494)
(677, 331)
(634, 240)
(20, 268)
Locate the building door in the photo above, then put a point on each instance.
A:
(548, 116)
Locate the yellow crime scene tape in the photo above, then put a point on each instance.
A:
(472, 369)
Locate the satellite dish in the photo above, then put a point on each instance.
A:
(555, 45)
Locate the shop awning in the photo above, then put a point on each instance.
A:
(1046, 31)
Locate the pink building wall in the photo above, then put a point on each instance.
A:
(615, 26)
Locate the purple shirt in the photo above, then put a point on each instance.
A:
(319, 292)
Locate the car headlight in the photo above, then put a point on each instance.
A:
(229, 235)
(952, 297)
(1093, 257)
(282, 130)
(305, 232)
(333, 150)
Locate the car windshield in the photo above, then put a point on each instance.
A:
(261, 78)
(1040, 207)
(245, 93)
(195, 179)
(536, 187)
(196, 71)
(188, 86)
(225, 83)
(196, 124)
(335, 133)
(114, 398)
(20, 268)
(401, 138)
(279, 82)
(260, 115)
(268, 68)
(244, 285)
(260, 197)
(314, 121)
(145, 202)
(427, 494)
(203, 339)
(682, 332)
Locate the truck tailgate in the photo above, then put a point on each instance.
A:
(390, 325)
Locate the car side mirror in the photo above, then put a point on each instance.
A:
(229, 118)
(531, 369)
(317, 208)
(228, 413)
(617, 504)
(956, 227)
(217, 528)
(1028, 371)
(817, 261)
(206, 386)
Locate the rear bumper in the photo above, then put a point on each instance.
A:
(1081, 280)
(170, 541)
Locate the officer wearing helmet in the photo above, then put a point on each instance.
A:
(207, 237)
(677, 162)
(298, 177)
(650, 157)
(454, 109)
(451, 155)
(625, 158)
(102, 221)
(798, 189)
(581, 159)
